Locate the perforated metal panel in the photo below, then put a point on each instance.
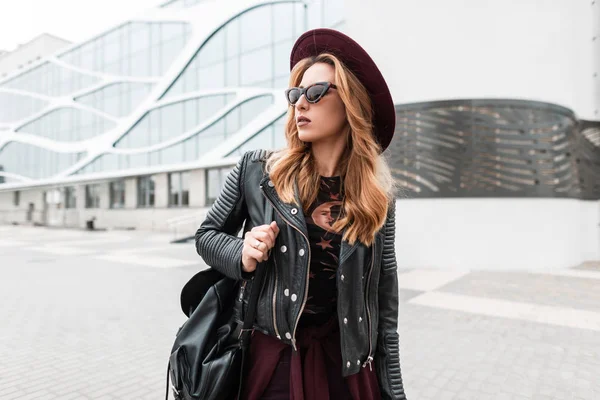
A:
(494, 148)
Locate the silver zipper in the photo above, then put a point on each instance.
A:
(369, 361)
(242, 290)
(274, 303)
(307, 276)
(370, 358)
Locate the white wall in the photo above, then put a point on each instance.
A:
(131, 193)
(494, 234)
(104, 194)
(154, 218)
(497, 234)
(150, 219)
(198, 188)
(10, 213)
(596, 44)
(161, 190)
(40, 46)
(448, 49)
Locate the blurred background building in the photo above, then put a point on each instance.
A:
(497, 143)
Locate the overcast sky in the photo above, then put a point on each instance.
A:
(73, 20)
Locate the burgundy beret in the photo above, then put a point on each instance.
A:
(356, 59)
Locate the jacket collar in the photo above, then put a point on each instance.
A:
(293, 214)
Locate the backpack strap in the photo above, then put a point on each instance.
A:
(259, 278)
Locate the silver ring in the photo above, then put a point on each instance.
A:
(257, 244)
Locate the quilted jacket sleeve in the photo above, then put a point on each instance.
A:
(216, 240)
(387, 358)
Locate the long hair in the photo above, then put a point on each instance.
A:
(366, 179)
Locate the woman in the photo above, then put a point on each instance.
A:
(326, 325)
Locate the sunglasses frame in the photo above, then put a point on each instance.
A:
(327, 85)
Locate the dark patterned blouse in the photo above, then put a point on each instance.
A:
(321, 303)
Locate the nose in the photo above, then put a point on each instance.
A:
(302, 104)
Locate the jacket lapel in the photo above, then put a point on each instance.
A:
(297, 218)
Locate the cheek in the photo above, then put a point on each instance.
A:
(334, 117)
(340, 114)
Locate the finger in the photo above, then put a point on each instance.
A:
(256, 241)
(252, 238)
(274, 227)
(265, 229)
(262, 228)
(254, 253)
(260, 254)
(266, 238)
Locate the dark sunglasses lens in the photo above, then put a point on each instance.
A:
(293, 95)
(315, 92)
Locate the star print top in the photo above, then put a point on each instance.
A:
(321, 303)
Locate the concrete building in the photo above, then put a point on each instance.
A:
(138, 126)
(26, 54)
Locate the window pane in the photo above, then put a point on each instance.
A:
(185, 188)
(211, 77)
(212, 182)
(256, 28)
(117, 194)
(232, 38)
(282, 21)
(69, 197)
(213, 51)
(174, 187)
(257, 66)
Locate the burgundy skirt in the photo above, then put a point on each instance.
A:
(276, 372)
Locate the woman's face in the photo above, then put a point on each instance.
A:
(328, 116)
(326, 214)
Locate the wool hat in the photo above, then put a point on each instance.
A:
(356, 59)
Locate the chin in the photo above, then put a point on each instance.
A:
(305, 137)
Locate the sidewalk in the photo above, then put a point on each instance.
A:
(93, 315)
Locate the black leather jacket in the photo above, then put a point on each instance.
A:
(367, 282)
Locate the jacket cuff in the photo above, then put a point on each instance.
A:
(246, 275)
(388, 368)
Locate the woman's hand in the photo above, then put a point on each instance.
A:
(257, 243)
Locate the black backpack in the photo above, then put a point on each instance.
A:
(207, 358)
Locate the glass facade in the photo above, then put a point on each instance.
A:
(173, 120)
(35, 162)
(14, 107)
(50, 80)
(271, 137)
(117, 194)
(68, 125)
(179, 189)
(117, 99)
(70, 198)
(215, 179)
(188, 150)
(145, 187)
(92, 196)
(134, 49)
(249, 51)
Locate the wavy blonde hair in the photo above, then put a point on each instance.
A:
(367, 182)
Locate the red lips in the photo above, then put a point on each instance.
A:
(301, 118)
